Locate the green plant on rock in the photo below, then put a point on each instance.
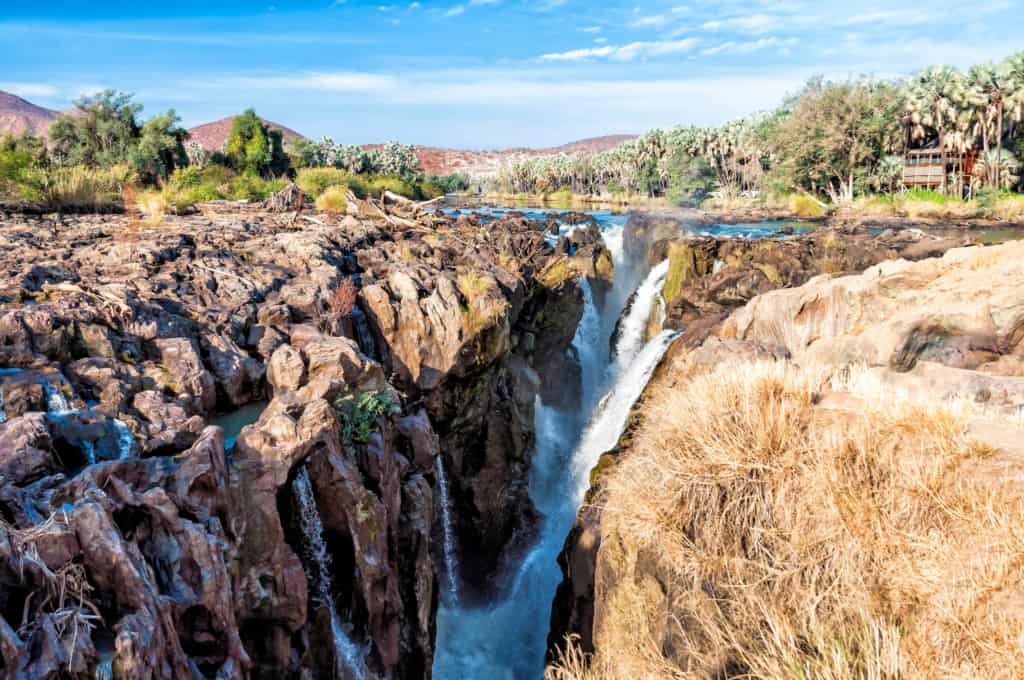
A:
(358, 414)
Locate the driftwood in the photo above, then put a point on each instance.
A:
(287, 199)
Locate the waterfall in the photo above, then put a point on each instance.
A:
(634, 326)
(56, 402)
(450, 563)
(125, 439)
(104, 670)
(90, 451)
(606, 428)
(507, 639)
(318, 565)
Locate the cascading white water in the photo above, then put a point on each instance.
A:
(90, 451)
(56, 402)
(606, 428)
(318, 565)
(450, 563)
(507, 639)
(125, 439)
(633, 330)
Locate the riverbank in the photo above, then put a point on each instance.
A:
(923, 210)
(815, 469)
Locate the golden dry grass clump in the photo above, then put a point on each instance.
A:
(770, 522)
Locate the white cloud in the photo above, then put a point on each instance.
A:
(733, 47)
(753, 23)
(30, 89)
(590, 29)
(626, 52)
(455, 11)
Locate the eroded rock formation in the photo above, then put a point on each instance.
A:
(151, 552)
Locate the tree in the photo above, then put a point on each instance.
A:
(835, 133)
(160, 147)
(104, 131)
(936, 98)
(253, 148)
(101, 131)
(302, 153)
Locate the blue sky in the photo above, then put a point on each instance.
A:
(480, 73)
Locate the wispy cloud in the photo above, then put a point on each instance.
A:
(627, 52)
(734, 47)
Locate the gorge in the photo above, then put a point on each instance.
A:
(238, 471)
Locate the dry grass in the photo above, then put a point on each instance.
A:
(333, 200)
(154, 205)
(751, 533)
(474, 285)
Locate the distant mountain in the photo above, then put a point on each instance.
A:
(18, 116)
(212, 136)
(450, 161)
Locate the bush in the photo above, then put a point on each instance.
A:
(378, 184)
(805, 206)
(358, 415)
(70, 189)
(315, 181)
(333, 200)
(252, 188)
(152, 204)
(562, 197)
(1008, 207)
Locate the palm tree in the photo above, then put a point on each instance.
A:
(935, 96)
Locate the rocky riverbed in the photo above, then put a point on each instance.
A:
(132, 545)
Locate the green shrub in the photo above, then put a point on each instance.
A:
(248, 187)
(315, 181)
(378, 184)
(71, 188)
(805, 206)
(562, 197)
(333, 200)
(358, 414)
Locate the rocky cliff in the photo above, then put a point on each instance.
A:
(797, 493)
(133, 545)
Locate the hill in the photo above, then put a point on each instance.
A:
(18, 116)
(211, 136)
(450, 161)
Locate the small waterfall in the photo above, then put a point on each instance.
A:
(90, 451)
(125, 439)
(450, 563)
(318, 566)
(56, 402)
(104, 670)
(606, 428)
(587, 344)
(634, 325)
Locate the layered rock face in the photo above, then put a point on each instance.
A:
(937, 333)
(133, 544)
(710, 277)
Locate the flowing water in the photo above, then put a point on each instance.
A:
(507, 639)
(450, 563)
(318, 566)
(633, 329)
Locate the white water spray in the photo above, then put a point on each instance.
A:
(607, 426)
(56, 402)
(633, 330)
(450, 563)
(125, 439)
(319, 574)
